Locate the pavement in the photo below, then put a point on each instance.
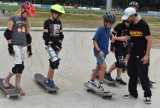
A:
(77, 62)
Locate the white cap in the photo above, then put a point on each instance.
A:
(128, 12)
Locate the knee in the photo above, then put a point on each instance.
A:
(18, 68)
(104, 66)
(55, 64)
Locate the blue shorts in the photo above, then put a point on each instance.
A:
(100, 60)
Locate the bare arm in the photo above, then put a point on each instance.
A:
(145, 59)
(96, 45)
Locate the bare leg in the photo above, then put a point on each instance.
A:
(95, 72)
(102, 72)
(50, 73)
(119, 71)
(112, 67)
(10, 74)
(18, 80)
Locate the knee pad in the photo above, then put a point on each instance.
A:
(55, 64)
(121, 62)
(18, 68)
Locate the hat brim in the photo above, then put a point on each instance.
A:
(125, 17)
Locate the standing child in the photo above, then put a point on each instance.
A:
(100, 42)
(119, 48)
(18, 37)
(53, 38)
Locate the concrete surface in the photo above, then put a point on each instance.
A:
(77, 61)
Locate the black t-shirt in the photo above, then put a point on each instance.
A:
(54, 28)
(121, 30)
(138, 32)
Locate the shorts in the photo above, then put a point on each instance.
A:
(53, 56)
(20, 53)
(100, 60)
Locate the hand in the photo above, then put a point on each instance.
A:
(50, 42)
(101, 54)
(55, 47)
(112, 49)
(10, 50)
(145, 59)
(29, 51)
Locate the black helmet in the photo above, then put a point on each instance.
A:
(109, 17)
(134, 3)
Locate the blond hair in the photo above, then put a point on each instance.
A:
(27, 21)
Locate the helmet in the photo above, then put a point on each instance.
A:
(29, 8)
(109, 17)
(134, 3)
(57, 8)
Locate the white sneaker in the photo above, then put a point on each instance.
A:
(148, 100)
(92, 83)
(101, 88)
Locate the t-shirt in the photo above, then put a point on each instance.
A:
(54, 28)
(138, 32)
(19, 30)
(102, 37)
(121, 30)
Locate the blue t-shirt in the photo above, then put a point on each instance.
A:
(102, 37)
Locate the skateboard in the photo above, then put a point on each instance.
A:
(107, 94)
(150, 83)
(12, 91)
(40, 79)
(110, 83)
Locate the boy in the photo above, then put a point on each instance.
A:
(100, 42)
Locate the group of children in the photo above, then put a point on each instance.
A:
(19, 41)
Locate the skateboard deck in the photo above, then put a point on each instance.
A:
(107, 94)
(150, 83)
(40, 79)
(11, 91)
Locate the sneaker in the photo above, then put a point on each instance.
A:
(20, 90)
(50, 83)
(129, 96)
(148, 100)
(108, 77)
(5, 83)
(101, 88)
(92, 83)
(120, 81)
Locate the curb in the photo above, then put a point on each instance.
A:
(65, 29)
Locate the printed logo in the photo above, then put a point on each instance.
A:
(54, 29)
(135, 33)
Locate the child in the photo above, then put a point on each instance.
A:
(100, 42)
(18, 37)
(119, 48)
(53, 38)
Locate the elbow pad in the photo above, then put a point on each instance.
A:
(61, 36)
(29, 38)
(7, 34)
(46, 37)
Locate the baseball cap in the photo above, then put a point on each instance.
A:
(128, 12)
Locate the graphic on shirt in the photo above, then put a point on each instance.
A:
(135, 33)
(23, 29)
(54, 29)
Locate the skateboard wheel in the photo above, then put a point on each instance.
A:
(47, 91)
(109, 97)
(88, 90)
(104, 97)
(8, 96)
(36, 81)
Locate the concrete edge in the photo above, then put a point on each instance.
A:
(64, 29)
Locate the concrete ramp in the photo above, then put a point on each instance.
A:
(77, 62)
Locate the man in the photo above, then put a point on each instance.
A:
(138, 63)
